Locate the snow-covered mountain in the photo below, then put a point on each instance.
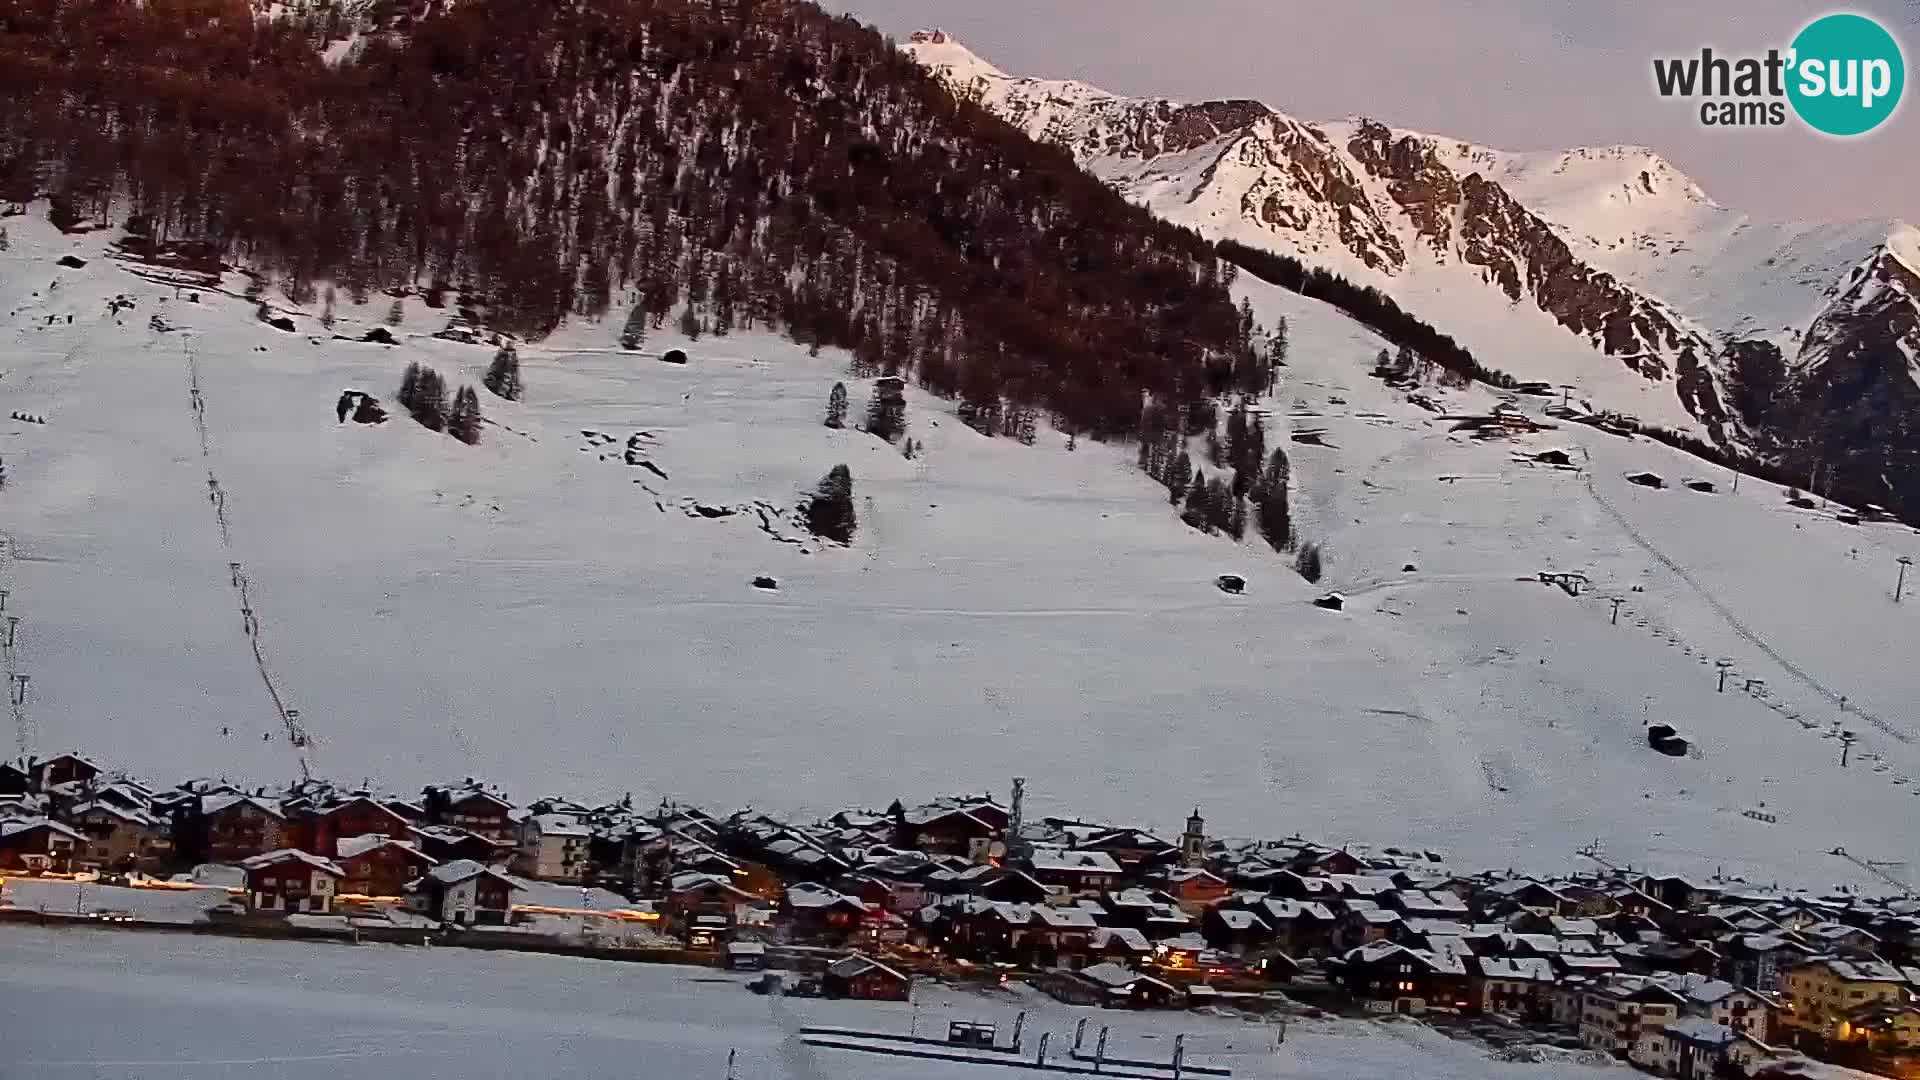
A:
(1606, 268)
(569, 607)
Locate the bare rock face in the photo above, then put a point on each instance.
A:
(1416, 179)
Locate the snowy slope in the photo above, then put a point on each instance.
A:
(374, 1011)
(1605, 267)
(536, 611)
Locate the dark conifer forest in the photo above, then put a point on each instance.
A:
(733, 163)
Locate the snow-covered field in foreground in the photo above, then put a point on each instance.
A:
(81, 1004)
(536, 612)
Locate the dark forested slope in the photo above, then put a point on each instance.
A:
(757, 161)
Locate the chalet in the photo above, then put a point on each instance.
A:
(1236, 932)
(966, 827)
(230, 828)
(554, 847)
(1411, 980)
(120, 839)
(38, 845)
(320, 830)
(444, 843)
(291, 881)
(1520, 987)
(464, 893)
(695, 894)
(1422, 904)
(815, 913)
(473, 808)
(1066, 872)
(1193, 888)
(1527, 893)
(864, 978)
(1301, 928)
(1115, 986)
(377, 865)
(1886, 1027)
(1135, 850)
(1058, 937)
(1124, 945)
(65, 769)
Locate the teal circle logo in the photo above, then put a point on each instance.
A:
(1847, 75)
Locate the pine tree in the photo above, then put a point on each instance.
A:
(829, 511)
(887, 410)
(1197, 513)
(837, 406)
(635, 332)
(1272, 514)
(1178, 475)
(423, 393)
(1237, 518)
(503, 375)
(396, 314)
(409, 387)
(326, 314)
(1219, 505)
(1073, 441)
(5, 241)
(690, 324)
(1027, 429)
(463, 421)
(1308, 562)
(3, 474)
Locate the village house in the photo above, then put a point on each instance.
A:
(967, 828)
(1517, 987)
(1068, 873)
(1236, 931)
(1194, 888)
(1614, 1013)
(120, 839)
(38, 845)
(815, 913)
(1882, 1026)
(64, 769)
(1821, 993)
(693, 895)
(464, 893)
(1400, 979)
(1689, 1048)
(1123, 945)
(866, 979)
(554, 847)
(320, 829)
(1111, 985)
(376, 865)
(291, 881)
(229, 828)
(472, 808)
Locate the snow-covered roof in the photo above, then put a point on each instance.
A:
(460, 870)
(807, 895)
(1125, 937)
(1234, 919)
(287, 855)
(1527, 968)
(860, 964)
(559, 825)
(1110, 974)
(215, 804)
(113, 810)
(1699, 1030)
(22, 826)
(1069, 861)
(348, 847)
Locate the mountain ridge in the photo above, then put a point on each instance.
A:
(1605, 268)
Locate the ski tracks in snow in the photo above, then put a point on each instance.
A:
(242, 586)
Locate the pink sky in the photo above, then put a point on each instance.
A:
(1514, 74)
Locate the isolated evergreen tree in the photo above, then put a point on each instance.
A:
(887, 410)
(1277, 345)
(1272, 515)
(829, 511)
(1026, 428)
(409, 387)
(910, 450)
(1073, 441)
(396, 314)
(5, 242)
(837, 406)
(1236, 517)
(1308, 562)
(423, 393)
(635, 331)
(1219, 505)
(463, 421)
(503, 375)
(326, 314)
(3, 474)
(690, 324)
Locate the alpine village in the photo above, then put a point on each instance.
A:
(1677, 976)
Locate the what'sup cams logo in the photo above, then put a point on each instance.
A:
(1843, 76)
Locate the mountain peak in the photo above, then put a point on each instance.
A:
(941, 52)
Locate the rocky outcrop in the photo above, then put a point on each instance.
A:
(1426, 189)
